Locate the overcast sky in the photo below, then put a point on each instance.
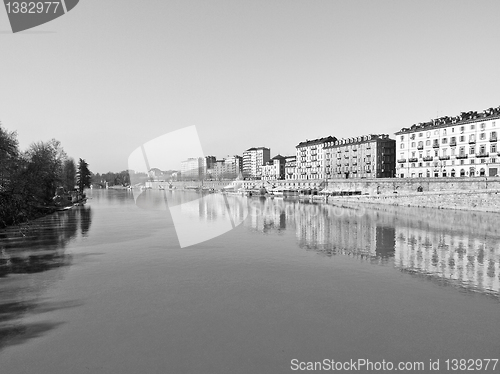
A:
(113, 74)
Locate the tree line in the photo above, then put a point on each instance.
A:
(28, 179)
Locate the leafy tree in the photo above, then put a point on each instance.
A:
(43, 171)
(83, 175)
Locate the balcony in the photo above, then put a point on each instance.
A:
(402, 160)
(493, 138)
(484, 154)
(368, 162)
(444, 157)
(462, 156)
(453, 144)
(413, 159)
(354, 163)
(354, 149)
(420, 146)
(428, 158)
(435, 145)
(472, 141)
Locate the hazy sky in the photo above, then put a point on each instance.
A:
(113, 74)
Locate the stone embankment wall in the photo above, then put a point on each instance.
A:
(476, 200)
(367, 186)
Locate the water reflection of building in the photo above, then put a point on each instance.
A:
(460, 247)
(469, 256)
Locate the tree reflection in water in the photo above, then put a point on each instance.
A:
(36, 249)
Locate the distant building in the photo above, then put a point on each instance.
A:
(228, 168)
(310, 161)
(197, 168)
(290, 167)
(461, 146)
(192, 168)
(367, 156)
(274, 169)
(253, 160)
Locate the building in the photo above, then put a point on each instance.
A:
(228, 168)
(367, 156)
(197, 168)
(309, 158)
(462, 146)
(253, 160)
(274, 169)
(290, 167)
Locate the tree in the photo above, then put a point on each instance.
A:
(43, 171)
(69, 174)
(83, 175)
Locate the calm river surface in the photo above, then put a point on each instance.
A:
(106, 288)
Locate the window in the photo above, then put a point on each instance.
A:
(420, 134)
(452, 129)
(402, 146)
(482, 149)
(428, 153)
(482, 136)
(472, 138)
(436, 153)
(462, 172)
(412, 136)
(462, 162)
(472, 161)
(428, 142)
(444, 152)
(444, 131)
(493, 124)
(453, 140)
(472, 127)
(402, 137)
(436, 132)
(462, 128)
(413, 154)
(428, 134)
(483, 126)
(462, 138)
(493, 148)
(413, 144)
(444, 140)
(453, 151)
(472, 150)
(493, 135)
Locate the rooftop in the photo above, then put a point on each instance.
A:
(464, 117)
(316, 141)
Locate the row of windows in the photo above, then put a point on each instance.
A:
(453, 140)
(482, 126)
(461, 151)
(448, 163)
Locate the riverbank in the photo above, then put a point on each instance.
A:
(470, 200)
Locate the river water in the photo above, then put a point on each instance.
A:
(106, 288)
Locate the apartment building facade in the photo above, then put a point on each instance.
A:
(367, 156)
(274, 169)
(462, 146)
(290, 167)
(310, 158)
(253, 161)
(228, 168)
